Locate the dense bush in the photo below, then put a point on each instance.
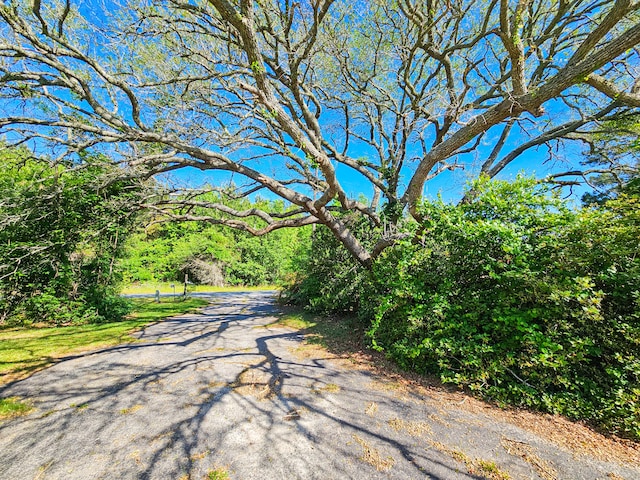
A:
(522, 299)
(514, 295)
(329, 279)
(60, 229)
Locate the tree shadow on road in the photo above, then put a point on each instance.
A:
(227, 388)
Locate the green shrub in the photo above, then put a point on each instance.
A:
(48, 308)
(61, 227)
(330, 277)
(514, 295)
(521, 299)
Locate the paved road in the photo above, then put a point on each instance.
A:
(223, 390)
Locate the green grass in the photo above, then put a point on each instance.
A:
(13, 407)
(147, 310)
(25, 350)
(296, 320)
(218, 474)
(339, 334)
(165, 288)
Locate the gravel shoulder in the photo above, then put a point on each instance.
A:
(227, 392)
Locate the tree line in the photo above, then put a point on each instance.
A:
(72, 234)
(213, 254)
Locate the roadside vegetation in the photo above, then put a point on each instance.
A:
(61, 227)
(72, 238)
(515, 295)
(13, 407)
(24, 350)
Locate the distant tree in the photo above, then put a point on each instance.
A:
(212, 254)
(297, 98)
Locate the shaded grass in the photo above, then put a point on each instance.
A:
(340, 335)
(25, 350)
(165, 288)
(13, 407)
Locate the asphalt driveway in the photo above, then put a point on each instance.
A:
(223, 393)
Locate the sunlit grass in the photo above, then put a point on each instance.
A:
(13, 407)
(147, 310)
(25, 350)
(219, 473)
(294, 320)
(165, 288)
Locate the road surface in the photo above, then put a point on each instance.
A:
(225, 392)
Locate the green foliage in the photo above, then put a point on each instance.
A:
(265, 260)
(219, 473)
(615, 153)
(213, 254)
(60, 232)
(516, 296)
(330, 278)
(163, 250)
(522, 299)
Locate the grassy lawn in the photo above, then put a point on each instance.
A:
(147, 310)
(26, 350)
(165, 288)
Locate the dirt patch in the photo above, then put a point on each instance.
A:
(255, 382)
(306, 351)
(199, 456)
(613, 476)
(415, 429)
(399, 389)
(573, 436)
(294, 414)
(525, 451)
(371, 456)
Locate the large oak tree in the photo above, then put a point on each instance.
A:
(295, 97)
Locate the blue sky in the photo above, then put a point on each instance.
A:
(448, 184)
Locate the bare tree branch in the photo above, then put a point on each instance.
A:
(314, 101)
